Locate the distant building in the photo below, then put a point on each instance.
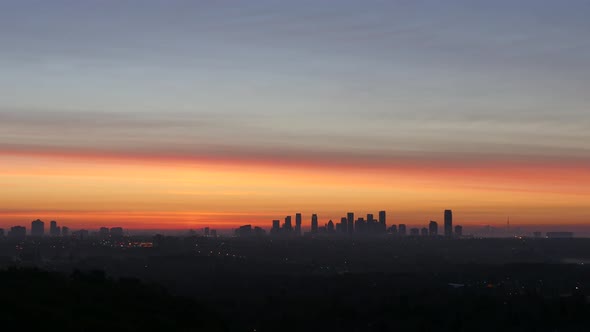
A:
(370, 223)
(414, 231)
(458, 231)
(448, 223)
(1, 232)
(360, 225)
(244, 231)
(276, 227)
(53, 229)
(393, 229)
(17, 233)
(560, 235)
(65, 231)
(314, 223)
(207, 231)
(350, 222)
(214, 233)
(258, 231)
(382, 222)
(288, 226)
(116, 232)
(37, 228)
(424, 231)
(401, 229)
(330, 227)
(433, 228)
(537, 235)
(298, 223)
(103, 232)
(343, 225)
(81, 234)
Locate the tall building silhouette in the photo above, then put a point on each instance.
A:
(314, 223)
(298, 223)
(288, 226)
(382, 221)
(433, 228)
(350, 222)
(424, 231)
(448, 223)
(343, 226)
(360, 225)
(370, 225)
(276, 226)
(53, 229)
(330, 227)
(37, 228)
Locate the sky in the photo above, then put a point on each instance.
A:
(186, 114)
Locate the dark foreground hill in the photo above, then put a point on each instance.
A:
(37, 300)
(34, 300)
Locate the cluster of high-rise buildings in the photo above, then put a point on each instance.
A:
(38, 230)
(361, 225)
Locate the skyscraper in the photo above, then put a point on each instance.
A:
(314, 223)
(298, 223)
(424, 231)
(382, 222)
(330, 227)
(448, 223)
(344, 225)
(370, 225)
(288, 226)
(276, 226)
(53, 229)
(350, 221)
(360, 225)
(433, 228)
(37, 228)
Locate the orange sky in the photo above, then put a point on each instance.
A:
(92, 190)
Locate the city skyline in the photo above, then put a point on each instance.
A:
(177, 115)
(363, 225)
